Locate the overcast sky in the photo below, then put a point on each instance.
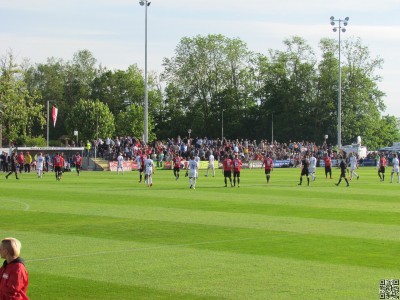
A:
(113, 30)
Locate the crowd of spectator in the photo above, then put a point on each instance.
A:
(161, 151)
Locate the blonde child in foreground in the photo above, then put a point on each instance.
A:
(13, 275)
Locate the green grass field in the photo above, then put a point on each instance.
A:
(103, 236)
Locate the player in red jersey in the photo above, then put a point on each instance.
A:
(328, 165)
(78, 162)
(237, 163)
(62, 162)
(177, 165)
(21, 161)
(382, 167)
(227, 167)
(58, 164)
(142, 167)
(269, 166)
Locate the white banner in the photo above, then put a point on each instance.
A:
(112, 165)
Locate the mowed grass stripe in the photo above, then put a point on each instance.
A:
(204, 249)
(111, 187)
(295, 224)
(200, 201)
(46, 286)
(173, 201)
(360, 214)
(319, 247)
(195, 272)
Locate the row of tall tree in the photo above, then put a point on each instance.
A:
(211, 80)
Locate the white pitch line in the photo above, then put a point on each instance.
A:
(26, 205)
(137, 249)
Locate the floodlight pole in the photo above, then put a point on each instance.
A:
(222, 127)
(1, 129)
(339, 100)
(2, 108)
(145, 3)
(272, 129)
(340, 29)
(47, 127)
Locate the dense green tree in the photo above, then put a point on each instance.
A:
(20, 109)
(92, 119)
(63, 83)
(211, 74)
(362, 101)
(287, 91)
(119, 88)
(302, 94)
(324, 110)
(79, 75)
(207, 78)
(172, 119)
(48, 80)
(130, 122)
(383, 133)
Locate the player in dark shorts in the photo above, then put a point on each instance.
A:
(305, 163)
(142, 168)
(328, 164)
(227, 166)
(177, 165)
(269, 166)
(78, 163)
(14, 164)
(343, 169)
(57, 164)
(382, 167)
(237, 164)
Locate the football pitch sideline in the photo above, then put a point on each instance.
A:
(107, 236)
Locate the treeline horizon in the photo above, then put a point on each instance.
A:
(210, 80)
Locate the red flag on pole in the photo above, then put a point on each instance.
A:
(54, 112)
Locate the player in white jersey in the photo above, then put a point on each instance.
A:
(139, 165)
(211, 164)
(197, 159)
(138, 161)
(39, 166)
(149, 166)
(353, 166)
(193, 172)
(395, 168)
(313, 166)
(120, 163)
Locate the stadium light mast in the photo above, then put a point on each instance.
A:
(339, 28)
(272, 128)
(145, 3)
(2, 108)
(222, 127)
